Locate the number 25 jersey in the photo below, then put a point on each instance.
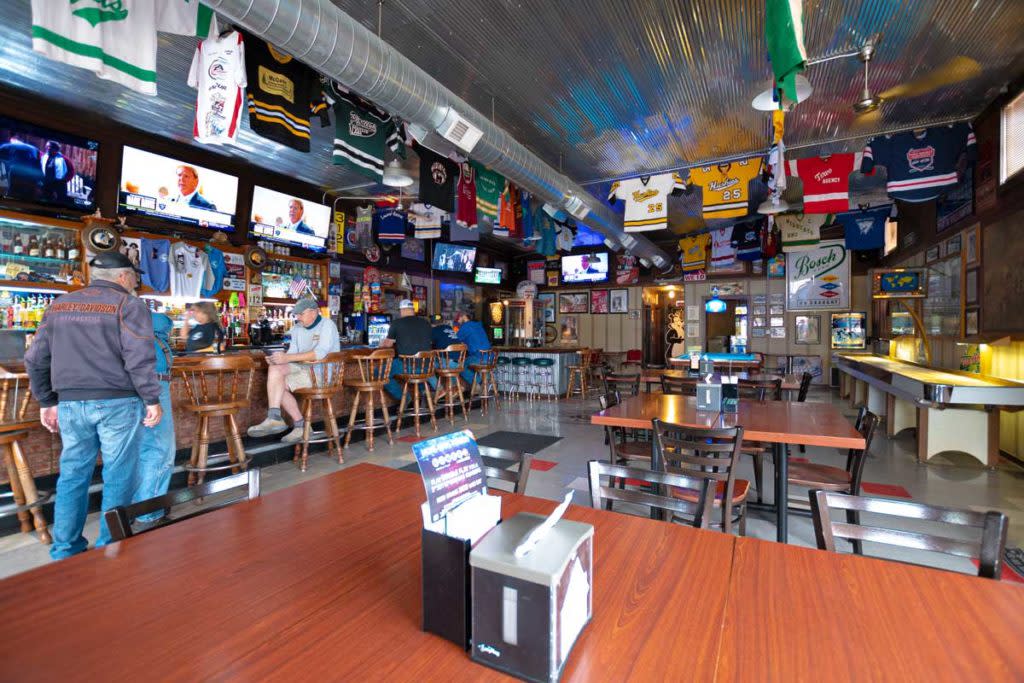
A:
(646, 200)
(726, 187)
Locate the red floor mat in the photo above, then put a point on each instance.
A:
(796, 458)
(1008, 573)
(412, 438)
(892, 490)
(542, 465)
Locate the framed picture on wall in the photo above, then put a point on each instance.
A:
(574, 302)
(971, 286)
(618, 301)
(547, 303)
(807, 329)
(778, 332)
(598, 301)
(932, 254)
(971, 322)
(953, 245)
(972, 246)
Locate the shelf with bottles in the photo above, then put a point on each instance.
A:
(233, 319)
(279, 274)
(23, 310)
(38, 251)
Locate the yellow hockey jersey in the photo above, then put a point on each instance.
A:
(726, 186)
(693, 251)
(646, 200)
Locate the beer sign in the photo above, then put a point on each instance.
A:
(818, 279)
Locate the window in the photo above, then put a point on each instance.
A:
(1011, 139)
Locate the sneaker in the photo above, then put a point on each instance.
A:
(268, 427)
(294, 436)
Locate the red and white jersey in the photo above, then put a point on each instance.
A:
(465, 196)
(826, 181)
(218, 73)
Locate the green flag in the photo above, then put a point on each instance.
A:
(784, 34)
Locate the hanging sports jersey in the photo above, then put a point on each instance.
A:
(693, 252)
(921, 165)
(460, 233)
(426, 221)
(548, 243)
(437, 179)
(389, 224)
(508, 211)
(566, 236)
(746, 239)
(864, 230)
(465, 209)
(282, 92)
(726, 187)
(526, 208)
(488, 190)
(218, 74)
(188, 270)
(646, 200)
(361, 132)
(826, 181)
(213, 281)
(156, 270)
(772, 242)
(115, 40)
(722, 252)
(799, 230)
(362, 235)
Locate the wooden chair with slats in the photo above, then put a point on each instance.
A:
(417, 371)
(518, 477)
(327, 378)
(579, 375)
(988, 528)
(759, 390)
(624, 384)
(450, 363)
(19, 414)
(699, 512)
(801, 395)
(374, 373)
(706, 453)
(622, 451)
(216, 386)
(678, 385)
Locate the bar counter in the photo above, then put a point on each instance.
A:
(561, 357)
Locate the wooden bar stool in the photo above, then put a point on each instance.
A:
(216, 386)
(327, 377)
(580, 372)
(19, 414)
(450, 364)
(417, 371)
(484, 371)
(374, 373)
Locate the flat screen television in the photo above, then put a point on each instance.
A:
(43, 166)
(162, 187)
(281, 218)
(578, 268)
(488, 276)
(454, 258)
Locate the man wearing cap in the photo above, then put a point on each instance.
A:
(313, 337)
(92, 367)
(409, 334)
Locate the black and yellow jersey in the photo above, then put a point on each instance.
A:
(726, 186)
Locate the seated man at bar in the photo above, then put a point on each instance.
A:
(409, 334)
(313, 337)
(474, 336)
(442, 335)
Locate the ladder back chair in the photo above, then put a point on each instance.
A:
(801, 396)
(19, 414)
(623, 384)
(451, 361)
(518, 477)
(600, 494)
(679, 386)
(374, 373)
(327, 379)
(759, 390)
(417, 371)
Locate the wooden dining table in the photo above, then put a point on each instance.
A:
(790, 382)
(774, 422)
(321, 581)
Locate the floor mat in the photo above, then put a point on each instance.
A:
(517, 441)
(892, 490)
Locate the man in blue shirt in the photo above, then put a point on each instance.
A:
(474, 336)
(441, 333)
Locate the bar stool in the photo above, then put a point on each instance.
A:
(216, 386)
(417, 370)
(327, 377)
(451, 362)
(484, 371)
(522, 374)
(505, 375)
(544, 374)
(15, 423)
(580, 372)
(374, 373)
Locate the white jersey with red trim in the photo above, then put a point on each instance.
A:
(920, 164)
(218, 74)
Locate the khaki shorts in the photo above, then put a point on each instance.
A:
(298, 377)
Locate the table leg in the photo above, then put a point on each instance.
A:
(781, 492)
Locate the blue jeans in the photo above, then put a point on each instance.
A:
(468, 374)
(394, 387)
(113, 426)
(156, 456)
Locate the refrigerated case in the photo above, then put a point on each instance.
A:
(524, 323)
(377, 328)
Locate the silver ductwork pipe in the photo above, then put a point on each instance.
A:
(333, 43)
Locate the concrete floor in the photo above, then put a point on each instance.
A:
(960, 482)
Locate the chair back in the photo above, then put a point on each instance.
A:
(634, 356)
(376, 365)
(700, 512)
(419, 364)
(237, 487)
(681, 386)
(761, 390)
(518, 477)
(989, 528)
(328, 373)
(452, 358)
(624, 384)
(214, 380)
(487, 358)
(585, 357)
(708, 454)
(17, 406)
(805, 387)
(856, 457)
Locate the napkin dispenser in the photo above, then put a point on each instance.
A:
(707, 365)
(529, 610)
(709, 396)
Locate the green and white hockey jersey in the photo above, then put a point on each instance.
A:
(115, 39)
(361, 132)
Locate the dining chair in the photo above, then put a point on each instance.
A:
(987, 528)
(801, 396)
(706, 453)
(622, 450)
(519, 476)
(679, 386)
(699, 512)
(759, 390)
(236, 487)
(624, 384)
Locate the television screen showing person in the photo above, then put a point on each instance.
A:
(188, 189)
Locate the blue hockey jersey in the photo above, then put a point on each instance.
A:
(390, 225)
(864, 230)
(921, 165)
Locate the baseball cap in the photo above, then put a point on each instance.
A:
(405, 303)
(112, 259)
(304, 305)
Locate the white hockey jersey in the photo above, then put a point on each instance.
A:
(646, 200)
(218, 74)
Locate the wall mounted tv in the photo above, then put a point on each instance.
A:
(488, 276)
(162, 187)
(289, 220)
(43, 166)
(454, 258)
(578, 268)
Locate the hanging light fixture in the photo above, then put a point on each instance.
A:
(395, 175)
(715, 304)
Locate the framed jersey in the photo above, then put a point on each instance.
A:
(726, 186)
(646, 200)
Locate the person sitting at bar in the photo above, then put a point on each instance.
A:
(313, 337)
(92, 367)
(205, 336)
(441, 334)
(156, 448)
(474, 336)
(410, 334)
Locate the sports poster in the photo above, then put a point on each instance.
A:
(234, 278)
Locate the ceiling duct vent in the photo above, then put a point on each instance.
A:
(576, 207)
(459, 131)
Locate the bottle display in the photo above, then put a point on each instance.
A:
(37, 253)
(23, 310)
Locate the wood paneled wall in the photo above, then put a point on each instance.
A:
(607, 331)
